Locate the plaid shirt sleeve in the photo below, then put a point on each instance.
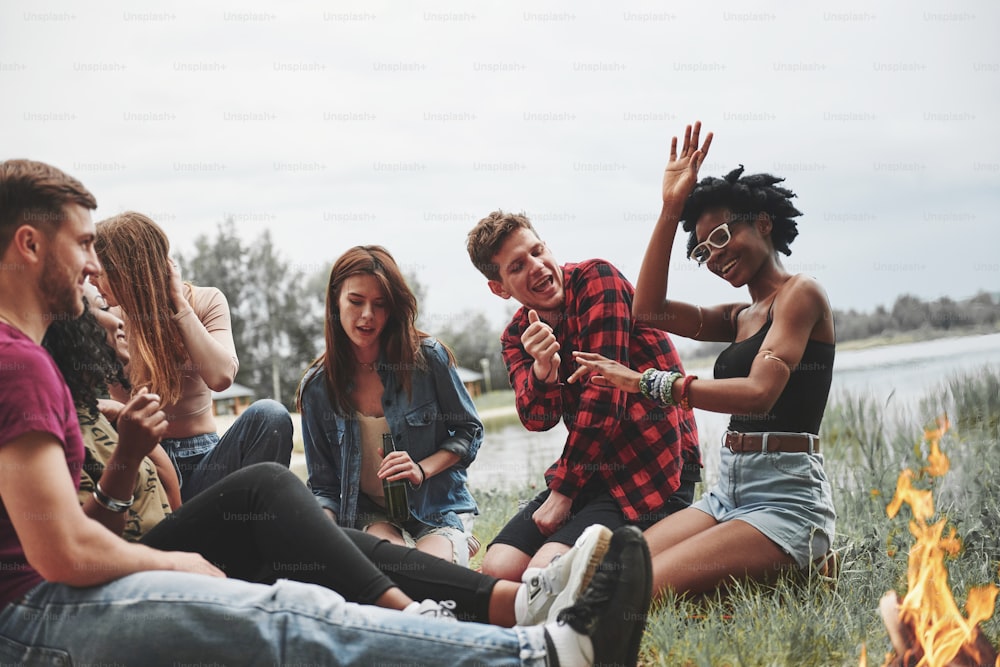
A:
(539, 405)
(598, 319)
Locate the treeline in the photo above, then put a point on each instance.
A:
(278, 315)
(909, 313)
(278, 312)
(277, 307)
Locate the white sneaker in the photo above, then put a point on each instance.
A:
(561, 582)
(445, 609)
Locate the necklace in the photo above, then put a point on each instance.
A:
(370, 367)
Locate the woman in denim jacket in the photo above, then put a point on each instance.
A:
(380, 374)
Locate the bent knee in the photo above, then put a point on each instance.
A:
(270, 410)
(505, 562)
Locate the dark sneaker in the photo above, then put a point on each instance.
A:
(612, 610)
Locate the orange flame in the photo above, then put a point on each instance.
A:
(928, 608)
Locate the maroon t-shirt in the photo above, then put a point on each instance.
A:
(33, 398)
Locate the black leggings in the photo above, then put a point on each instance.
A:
(261, 524)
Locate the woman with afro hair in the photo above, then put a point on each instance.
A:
(772, 508)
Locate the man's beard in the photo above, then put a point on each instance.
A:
(61, 298)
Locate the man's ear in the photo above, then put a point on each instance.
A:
(26, 241)
(497, 288)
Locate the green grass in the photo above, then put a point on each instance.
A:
(495, 399)
(805, 621)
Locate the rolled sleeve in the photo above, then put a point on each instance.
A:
(459, 413)
(322, 454)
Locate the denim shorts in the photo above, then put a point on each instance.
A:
(412, 531)
(786, 496)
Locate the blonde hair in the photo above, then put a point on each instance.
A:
(135, 254)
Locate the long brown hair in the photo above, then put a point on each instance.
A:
(135, 254)
(400, 340)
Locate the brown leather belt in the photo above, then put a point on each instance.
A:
(742, 443)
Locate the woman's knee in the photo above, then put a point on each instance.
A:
(270, 411)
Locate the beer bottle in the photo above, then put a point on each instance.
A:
(397, 503)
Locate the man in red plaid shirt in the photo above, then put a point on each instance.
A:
(627, 459)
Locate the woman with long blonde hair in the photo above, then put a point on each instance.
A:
(380, 374)
(181, 347)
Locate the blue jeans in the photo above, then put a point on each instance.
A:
(170, 618)
(262, 434)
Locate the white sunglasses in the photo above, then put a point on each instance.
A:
(717, 238)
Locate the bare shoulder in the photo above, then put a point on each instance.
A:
(803, 288)
(803, 303)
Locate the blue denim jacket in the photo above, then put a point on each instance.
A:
(438, 415)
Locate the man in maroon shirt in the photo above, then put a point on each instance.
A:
(626, 459)
(73, 592)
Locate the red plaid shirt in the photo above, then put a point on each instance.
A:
(635, 446)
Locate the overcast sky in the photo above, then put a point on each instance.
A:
(334, 124)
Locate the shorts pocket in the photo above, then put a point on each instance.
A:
(791, 464)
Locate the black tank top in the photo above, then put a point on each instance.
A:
(800, 406)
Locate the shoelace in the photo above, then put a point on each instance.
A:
(445, 608)
(582, 616)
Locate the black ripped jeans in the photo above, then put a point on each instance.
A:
(261, 524)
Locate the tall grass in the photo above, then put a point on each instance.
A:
(806, 621)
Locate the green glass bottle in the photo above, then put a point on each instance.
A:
(397, 503)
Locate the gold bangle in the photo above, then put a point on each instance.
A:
(768, 354)
(701, 322)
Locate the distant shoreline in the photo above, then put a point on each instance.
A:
(498, 409)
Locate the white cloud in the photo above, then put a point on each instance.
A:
(360, 122)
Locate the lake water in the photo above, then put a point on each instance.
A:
(894, 375)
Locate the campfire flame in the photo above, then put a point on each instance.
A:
(932, 630)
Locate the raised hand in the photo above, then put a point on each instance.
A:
(681, 174)
(177, 288)
(540, 342)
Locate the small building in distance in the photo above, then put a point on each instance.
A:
(232, 401)
(472, 380)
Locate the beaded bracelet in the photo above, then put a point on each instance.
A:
(685, 397)
(646, 382)
(658, 385)
(661, 386)
(667, 392)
